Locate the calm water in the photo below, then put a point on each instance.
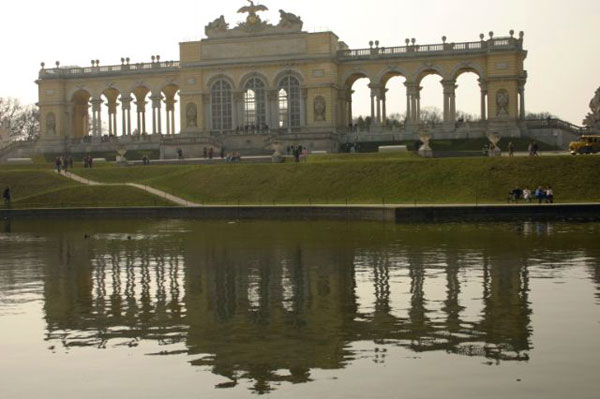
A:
(181, 309)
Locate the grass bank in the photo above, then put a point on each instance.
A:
(367, 179)
(37, 187)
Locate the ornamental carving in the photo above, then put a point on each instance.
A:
(191, 115)
(320, 108)
(592, 120)
(502, 101)
(254, 24)
(51, 124)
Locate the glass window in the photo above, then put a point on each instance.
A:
(221, 105)
(289, 102)
(255, 104)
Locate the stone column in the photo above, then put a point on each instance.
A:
(484, 92)
(238, 111)
(272, 105)
(449, 102)
(408, 107)
(349, 102)
(125, 107)
(383, 106)
(156, 114)
(303, 108)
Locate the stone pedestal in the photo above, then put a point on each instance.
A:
(425, 150)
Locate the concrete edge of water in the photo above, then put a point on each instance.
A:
(400, 214)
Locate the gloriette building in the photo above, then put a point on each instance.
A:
(247, 86)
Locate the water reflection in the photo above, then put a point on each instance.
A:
(268, 302)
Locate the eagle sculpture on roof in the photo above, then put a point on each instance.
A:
(252, 9)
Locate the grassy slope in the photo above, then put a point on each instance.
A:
(369, 179)
(37, 187)
(90, 197)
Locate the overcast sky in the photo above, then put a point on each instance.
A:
(561, 36)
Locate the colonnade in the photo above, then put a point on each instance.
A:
(379, 109)
(139, 122)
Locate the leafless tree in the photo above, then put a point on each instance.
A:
(21, 122)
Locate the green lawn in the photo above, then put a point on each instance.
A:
(367, 179)
(36, 187)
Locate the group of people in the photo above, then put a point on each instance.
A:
(233, 157)
(533, 149)
(298, 152)
(540, 194)
(63, 163)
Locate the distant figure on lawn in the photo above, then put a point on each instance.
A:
(511, 149)
(6, 195)
(549, 195)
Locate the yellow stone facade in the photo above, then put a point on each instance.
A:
(301, 88)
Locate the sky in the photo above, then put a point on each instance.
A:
(561, 37)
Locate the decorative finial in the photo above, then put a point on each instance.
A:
(122, 61)
(407, 41)
(127, 60)
(43, 64)
(491, 35)
(371, 44)
(521, 34)
(93, 62)
(444, 39)
(413, 40)
(153, 58)
(97, 62)
(158, 58)
(512, 32)
(57, 64)
(481, 36)
(376, 43)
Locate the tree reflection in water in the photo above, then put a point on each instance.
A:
(269, 302)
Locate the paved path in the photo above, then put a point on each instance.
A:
(153, 191)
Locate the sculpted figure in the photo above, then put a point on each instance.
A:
(51, 124)
(191, 115)
(502, 101)
(289, 20)
(218, 25)
(592, 120)
(320, 108)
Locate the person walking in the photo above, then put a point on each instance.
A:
(549, 195)
(6, 195)
(511, 149)
(58, 164)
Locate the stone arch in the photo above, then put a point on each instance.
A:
(220, 76)
(427, 70)
(255, 75)
(80, 105)
(351, 77)
(288, 72)
(467, 68)
(391, 72)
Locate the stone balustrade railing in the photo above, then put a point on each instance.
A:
(78, 72)
(416, 50)
(552, 123)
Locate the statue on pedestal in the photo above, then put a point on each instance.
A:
(425, 151)
(494, 150)
(592, 120)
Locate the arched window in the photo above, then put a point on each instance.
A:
(221, 105)
(254, 103)
(289, 102)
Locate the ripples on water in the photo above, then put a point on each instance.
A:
(264, 304)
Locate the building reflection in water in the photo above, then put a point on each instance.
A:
(269, 303)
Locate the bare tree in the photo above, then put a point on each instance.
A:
(431, 115)
(540, 115)
(18, 121)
